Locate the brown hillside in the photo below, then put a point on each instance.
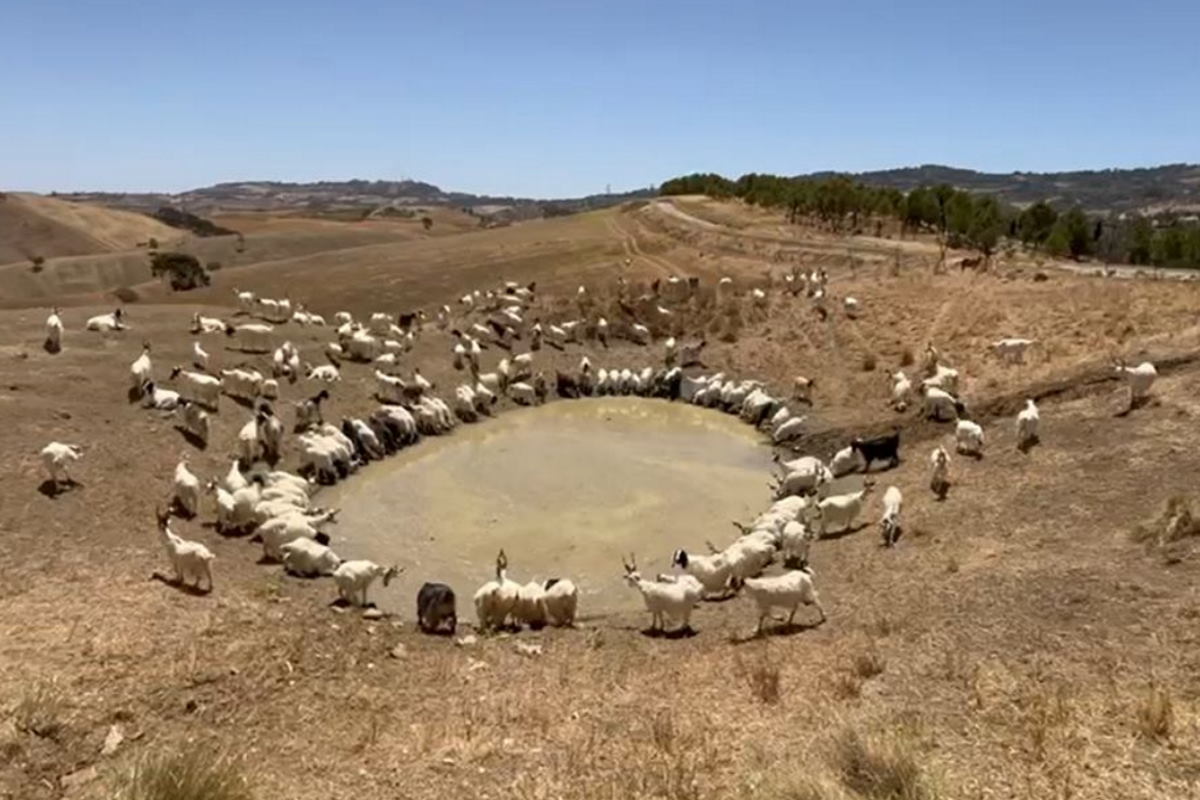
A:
(32, 225)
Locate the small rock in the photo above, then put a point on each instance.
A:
(78, 778)
(466, 641)
(397, 624)
(474, 665)
(112, 741)
(190, 706)
(64, 415)
(399, 651)
(530, 650)
(372, 613)
(337, 609)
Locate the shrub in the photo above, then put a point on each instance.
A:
(126, 294)
(182, 270)
(38, 263)
(196, 774)
(868, 362)
(869, 664)
(764, 682)
(879, 767)
(1156, 714)
(40, 712)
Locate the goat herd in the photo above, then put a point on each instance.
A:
(276, 505)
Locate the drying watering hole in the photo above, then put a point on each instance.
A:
(566, 489)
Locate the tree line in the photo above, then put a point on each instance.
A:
(962, 219)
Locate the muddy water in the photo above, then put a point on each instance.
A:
(565, 489)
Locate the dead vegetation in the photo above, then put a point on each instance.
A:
(196, 773)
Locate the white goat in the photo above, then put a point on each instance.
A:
(789, 591)
(140, 372)
(561, 601)
(496, 600)
(186, 490)
(194, 420)
(56, 456)
(840, 511)
(54, 330)
(105, 323)
(1011, 350)
(889, 522)
(306, 557)
(191, 561)
(353, 578)
(674, 600)
(968, 437)
(1027, 424)
(1139, 378)
(198, 387)
(902, 391)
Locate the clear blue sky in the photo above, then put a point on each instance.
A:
(562, 97)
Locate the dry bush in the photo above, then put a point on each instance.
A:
(1047, 718)
(126, 294)
(41, 712)
(1156, 714)
(196, 774)
(869, 664)
(763, 678)
(1176, 522)
(880, 766)
(846, 687)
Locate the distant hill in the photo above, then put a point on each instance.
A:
(332, 196)
(1151, 189)
(32, 225)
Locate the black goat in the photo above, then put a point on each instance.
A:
(435, 606)
(879, 448)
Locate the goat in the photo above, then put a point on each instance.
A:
(939, 478)
(56, 456)
(140, 371)
(712, 571)
(1027, 424)
(191, 561)
(496, 599)
(1012, 350)
(561, 600)
(105, 323)
(840, 511)
(353, 578)
(1139, 378)
(198, 387)
(186, 489)
(940, 404)
(889, 523)
(968, 437)
(675, 599)
(879, 448)
(436, 606)
(789, 591)
(307, 558)
(54, 330)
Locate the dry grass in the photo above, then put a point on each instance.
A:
(764, 679)
(1174, 523)
(869, 664)
(880, 766)
(41, 711)
(1156, 714)
(195, 774)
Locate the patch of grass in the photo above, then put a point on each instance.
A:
(1174, 523)
(1156, 714)
(880, 766)
(846, 686)
(869, 664)
(763, 678)
(40, 712)
(196, 774)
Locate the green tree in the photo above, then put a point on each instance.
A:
(987, 225)
(182, 270)
(1071, 235)
(1035, 222)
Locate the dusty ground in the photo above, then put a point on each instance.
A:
(1017, 642)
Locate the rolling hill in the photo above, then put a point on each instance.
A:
(33, 225)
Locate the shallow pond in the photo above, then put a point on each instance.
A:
(565, 489)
